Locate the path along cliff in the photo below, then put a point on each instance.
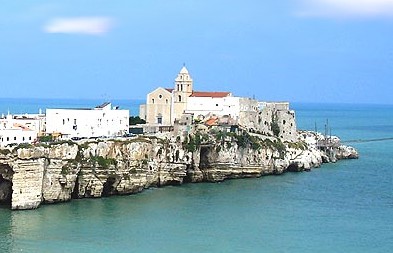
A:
(58, 172)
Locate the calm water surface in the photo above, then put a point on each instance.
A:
(342, 207)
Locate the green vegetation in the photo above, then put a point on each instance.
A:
(45, 138)
(133, 171)
(65, 170)
(194, 141)
(4, 151)
(297, 145)
(23, 145)
(244, 140)
(103, 162)
(136, 120)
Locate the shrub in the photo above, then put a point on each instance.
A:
(103, 162)
(45, 138)
(136, 120)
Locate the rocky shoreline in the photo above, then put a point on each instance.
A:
(59, 172)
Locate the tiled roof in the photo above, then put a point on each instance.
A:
(214, 94)
(212, 122)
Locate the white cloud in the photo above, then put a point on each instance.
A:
(80, 25)
(347, 8)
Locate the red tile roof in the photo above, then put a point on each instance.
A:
(210, 94)
(212, 122)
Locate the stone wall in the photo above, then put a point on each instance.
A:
(277, 116)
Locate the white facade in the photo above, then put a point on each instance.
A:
(202, 106)
(16, 136)
(242, 110)
(85, 123)
(16, 129)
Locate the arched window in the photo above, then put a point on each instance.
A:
(179, 98)
(152, 101)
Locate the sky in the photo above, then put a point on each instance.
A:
(328, 51)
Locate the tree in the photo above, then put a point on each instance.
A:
(136, 120)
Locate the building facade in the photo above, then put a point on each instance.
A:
(16, 129)
(166, 107)
(100, 121)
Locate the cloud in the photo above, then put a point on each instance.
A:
(80, 25)
(346, 8)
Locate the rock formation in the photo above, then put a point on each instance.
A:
(58, 172)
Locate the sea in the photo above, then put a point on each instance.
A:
(340, 207)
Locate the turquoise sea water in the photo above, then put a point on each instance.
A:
(342, 207)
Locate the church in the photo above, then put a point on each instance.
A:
(166, 105)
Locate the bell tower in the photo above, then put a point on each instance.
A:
(183, 89)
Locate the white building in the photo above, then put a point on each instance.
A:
(242, 110)
(102, 120)
(16, 129)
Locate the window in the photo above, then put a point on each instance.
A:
(74, 121)
(152, 101)
(8, 138)
(216, 104)
(160, 96)
(15, 138)
(179, 98)
(159, 119)
(166, 101)
(29, 138)
(63, 121)
(23, 138)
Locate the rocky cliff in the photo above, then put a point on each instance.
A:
(58, 172)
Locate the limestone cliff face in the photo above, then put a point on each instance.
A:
(33, 175)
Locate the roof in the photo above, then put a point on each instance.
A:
(22, 127)
(170, 90)
(211, 122)
(103, 105)
(214, 94)
(184, 70)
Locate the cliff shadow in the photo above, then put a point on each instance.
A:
(109, 187)
(6, 174)
(205, 154)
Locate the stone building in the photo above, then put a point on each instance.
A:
(165, 106)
